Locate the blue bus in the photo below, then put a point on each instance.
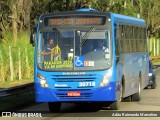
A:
(87, 56)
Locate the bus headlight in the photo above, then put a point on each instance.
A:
(150, 74)
(43, 81)
(106, 79)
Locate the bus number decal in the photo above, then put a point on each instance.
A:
(85, 84)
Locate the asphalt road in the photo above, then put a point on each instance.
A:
(149, 105)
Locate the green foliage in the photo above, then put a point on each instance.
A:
(151, 53)
(22, 44)
(46, 6)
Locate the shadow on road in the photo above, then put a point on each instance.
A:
(83, 107)
(80, 110)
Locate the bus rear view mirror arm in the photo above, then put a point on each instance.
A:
(117, 59)
(33, 35)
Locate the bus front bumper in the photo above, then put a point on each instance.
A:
(106, 93)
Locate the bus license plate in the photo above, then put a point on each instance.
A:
(73, 93)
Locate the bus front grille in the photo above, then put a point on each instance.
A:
(66, 90)
(67, 78)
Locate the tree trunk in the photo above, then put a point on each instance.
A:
(157, 50)
(158, 47)
(14, 21)
(27, 64)
(154, 46)
(11, 64)
(19, 64)
(67, 5)
(21, 14)
(19, 6)
(125, 3)
(150, 45)
(27, 4)
(2, 67)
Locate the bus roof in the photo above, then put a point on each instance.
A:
(121, 19)
(87, 9)
(73, 13)
(128, 20)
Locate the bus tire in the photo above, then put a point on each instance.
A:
(137, 96)
(154, 84)
(127, 99)
(115, 105)
(54, 106)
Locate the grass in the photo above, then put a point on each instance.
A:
(9, 84)
(26, 49)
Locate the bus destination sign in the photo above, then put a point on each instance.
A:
(75, 21)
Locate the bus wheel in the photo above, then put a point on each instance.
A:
(137, 96)
(154, 85)
(115, 105)
(54, 106)
(127, 99)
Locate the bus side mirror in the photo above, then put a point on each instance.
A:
(148, 32)
(117, 59)
(33, 36)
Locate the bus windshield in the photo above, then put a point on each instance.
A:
(63, 49)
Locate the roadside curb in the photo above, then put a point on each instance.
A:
(4, 92)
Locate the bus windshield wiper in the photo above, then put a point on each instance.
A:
(55, 29)
(84, 38)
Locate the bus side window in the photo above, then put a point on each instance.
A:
(117, 39)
